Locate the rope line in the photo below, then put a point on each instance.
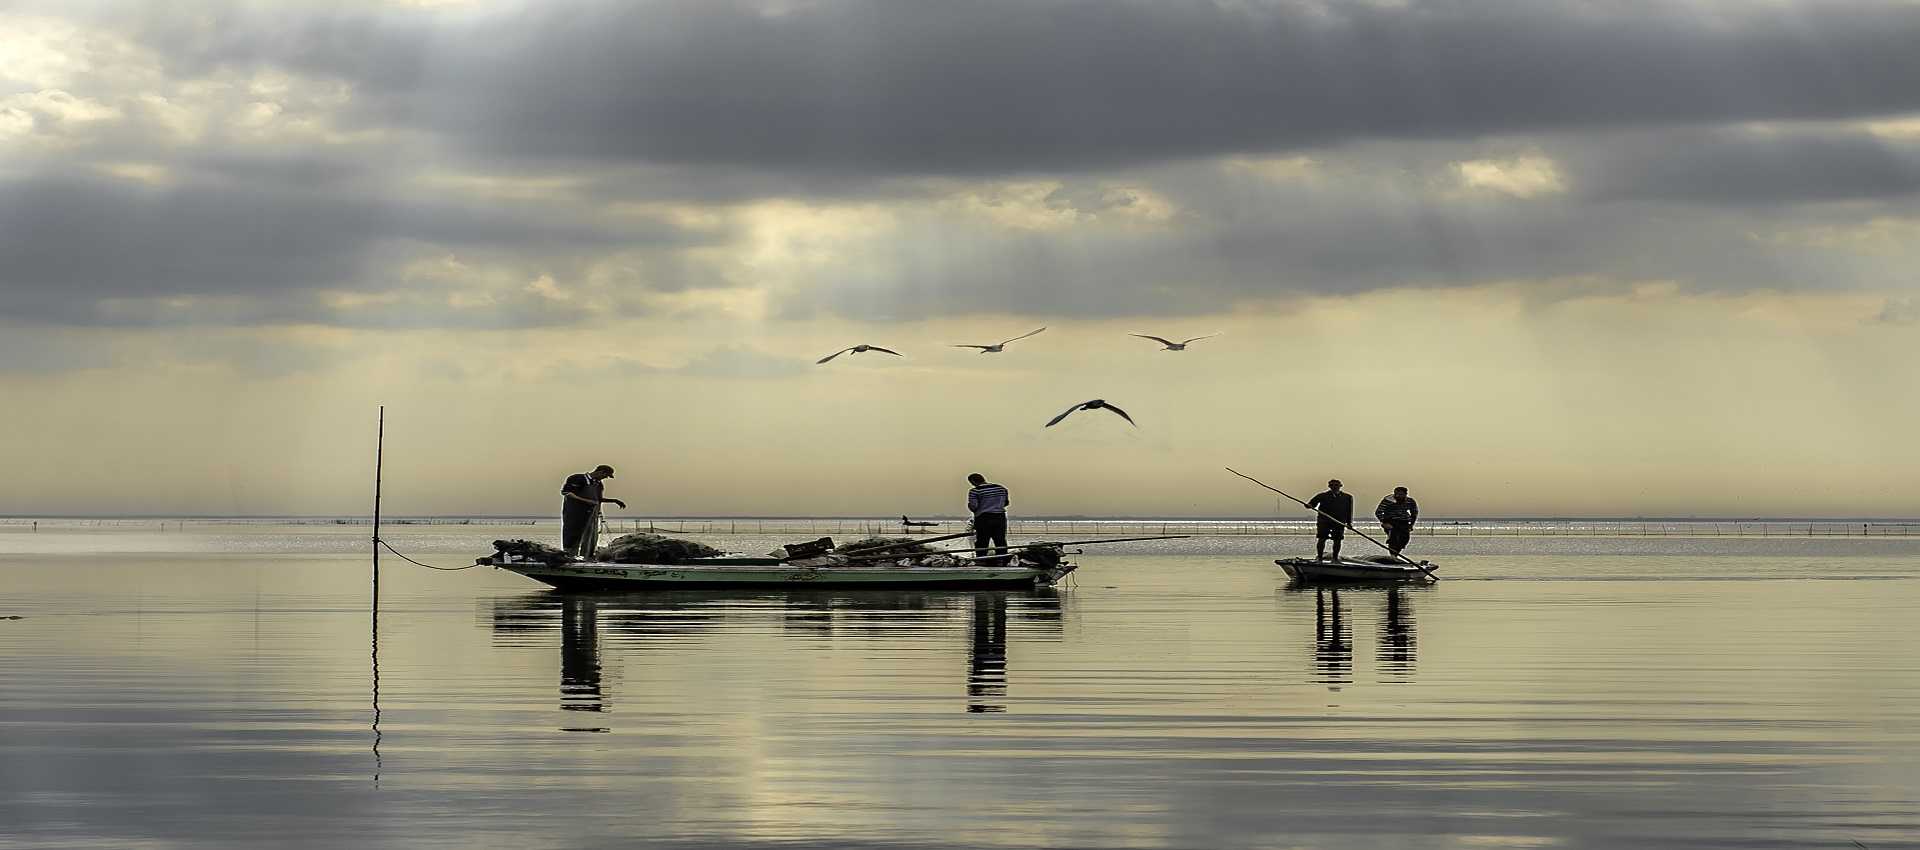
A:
(396, 552)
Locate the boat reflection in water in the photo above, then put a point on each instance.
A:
(1333, 632)
(587, 623)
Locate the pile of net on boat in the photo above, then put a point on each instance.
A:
(532, 551)
(868, 552)
(628, 549)
(653, 549)
(885, 545)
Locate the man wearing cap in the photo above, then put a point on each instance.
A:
(1396, 514)
(1333, 514)
(584, 493)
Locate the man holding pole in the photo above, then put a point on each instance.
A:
(583, 494)
(1333, 513)
(1397, 513)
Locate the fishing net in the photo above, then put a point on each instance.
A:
(874, 545)
(531, 550)
(653, 549)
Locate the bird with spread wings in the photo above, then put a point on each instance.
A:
(859, 349)
(1170, 345)
(1096, 404)
(998, 347)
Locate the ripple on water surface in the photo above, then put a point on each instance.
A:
(1554, 695)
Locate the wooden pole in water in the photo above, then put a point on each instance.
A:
(379, 460)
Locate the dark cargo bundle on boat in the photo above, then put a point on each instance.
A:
(653, 549)
(809, 549)
(529, 549)
(890, 545)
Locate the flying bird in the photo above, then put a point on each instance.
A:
(1096, 404)
(859, 349)
(1170, 344)
(998, 347)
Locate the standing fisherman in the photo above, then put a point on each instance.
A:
(1397, 514)
(584, 493)
(988, 504)
(1333, 515)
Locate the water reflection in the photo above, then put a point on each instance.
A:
(1333, 655)
(1332, 641)
(590, 624)
(580, 688)
(1398, 650)
(987, 655)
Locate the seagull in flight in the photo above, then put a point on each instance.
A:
(1096, 404)
(859, 349)
(998, 347)
(1170, 344)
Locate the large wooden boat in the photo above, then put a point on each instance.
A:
(1022, 569)
(1355, 570)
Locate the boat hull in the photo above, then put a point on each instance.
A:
(603, 576)
(1344, 571)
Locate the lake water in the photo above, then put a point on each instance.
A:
(217, 687)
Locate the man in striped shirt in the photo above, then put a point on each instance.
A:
(988, 504)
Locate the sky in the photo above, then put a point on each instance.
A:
(1526, 257)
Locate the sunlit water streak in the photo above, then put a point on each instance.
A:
(163, 690)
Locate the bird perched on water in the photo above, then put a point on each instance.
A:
(998, 347)
(1096, 404)
(859, 349)
(1170, 344)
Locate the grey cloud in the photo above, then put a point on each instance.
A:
(726, 361)
(1749, 167)
(736, 361)
(717, 101)
(1243, 240)
(68, 243)
(29, 351)
(871, 86)
(1899, 311)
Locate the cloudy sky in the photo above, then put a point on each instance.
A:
(1525, 256)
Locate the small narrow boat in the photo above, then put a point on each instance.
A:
(1025, 568)
(1355, 570)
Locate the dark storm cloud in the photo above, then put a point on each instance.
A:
(1030, 85)
(1250, 240)
(1647, 107)
(68, 241)
(1754, 167)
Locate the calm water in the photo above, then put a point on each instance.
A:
(217, 687)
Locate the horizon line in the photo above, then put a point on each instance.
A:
(960, 518)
